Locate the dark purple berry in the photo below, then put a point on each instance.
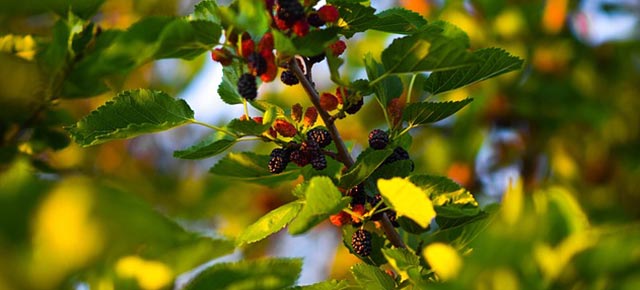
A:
(314, 20)
(361, 242)
(398, 154)
(290, 11)
(279, 160)
(319, 136)
(378, 139)
(355, 107)
(319, 162)
(357, 194)
(247, 86)
(299, 158)
(257, 63)
(289, 78)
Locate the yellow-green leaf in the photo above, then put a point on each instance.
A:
(407, 200)
(443, 259)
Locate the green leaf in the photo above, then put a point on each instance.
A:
(404, 263)
(493, 62)
(427, 50)
(400, 168)
(357, 17)
(84, 9)
(130, 114)
(264, 274)
(322, 199)
(407, 200)
(207, 148)
(247, 127)
(270, 223)
(372, 278)
(187, 39)
(315, 41)
(387, 89)
(326, 285)
(376, 257)
(252, 17)
(454, 33)
(430, 112)
(450, 200)
(365, 165)
(334, 63)
(206, 10)
(228, 88)
(283, 44)
(251, 167)
(398, 20)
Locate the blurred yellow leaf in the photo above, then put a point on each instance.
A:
(149, 274)
(553, 261)
(443, 259)
(513, 203)
(509, 23)
(66, 237)
(498, 279)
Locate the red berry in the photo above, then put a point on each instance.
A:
(310, 116)
(296, 112)
(338, 47)
(281, 24)
(248, 46)
(285, 128)
(359, 211)
(266, 43)
(339, 93)
(222, 56)
(329, 13)
(301, 27)
(340, 219)
(328, 102)
(272, 69)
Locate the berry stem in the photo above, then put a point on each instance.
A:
(343, 154)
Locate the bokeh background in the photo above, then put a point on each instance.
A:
(123, 214)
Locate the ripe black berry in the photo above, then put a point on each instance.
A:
(355, 107)
(315, 20)
(320, 136)
(279, 160)
(357, 194)
(247, 86)
(290, 11)
(299, 158)
(378, 139)
(289, 78)
(398, 154)
(257, 63)
(361, 242)
(319, 162)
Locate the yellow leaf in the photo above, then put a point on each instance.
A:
(444, 260)
(407, 200)
(512, 203)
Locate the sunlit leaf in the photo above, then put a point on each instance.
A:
(264, 274)
(401, 260)
(407, 200)
(187, 39)
(493, 62)
(430, 112)
(326, 285)
(322, 199)
(371, 277)
(270, 223)
(130, 114)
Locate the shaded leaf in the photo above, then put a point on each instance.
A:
(371, 277)
(207, 148)
(401, 260)
(493, 62)
(315, 41)
(270, 223)
(247, 127)
(357, 17)
(251, 167)
(206, 10)
(407, 200)
(398, 20)
(322, 199)
(228, 88)
(130, 114)
(187, 39)
(430, 112)
(387, 89)
(264, 274)
(427, 50)
(364, 166)
(326, 285)
(450, 200)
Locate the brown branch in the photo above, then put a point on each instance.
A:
(343, 153)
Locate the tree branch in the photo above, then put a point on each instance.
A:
(343, 153)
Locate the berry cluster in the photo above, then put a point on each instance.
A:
(361, 242)
(378, 139)
(279, 160)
